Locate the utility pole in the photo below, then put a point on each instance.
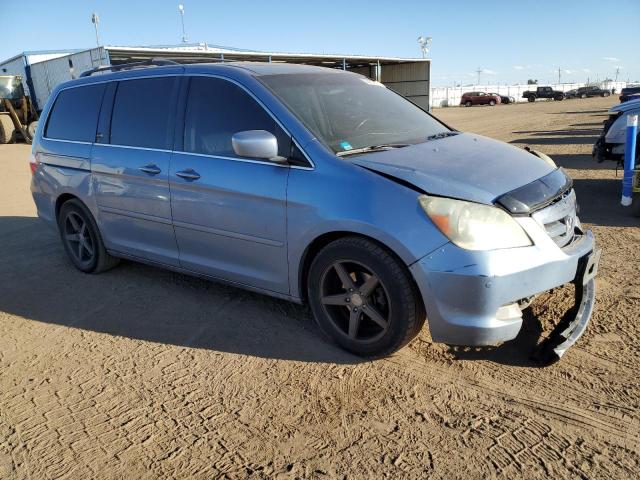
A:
(181, 10)
(559, 75)
(617, 72)
(479, 71)
(95, 20)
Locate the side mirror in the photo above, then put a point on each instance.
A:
(257, 144)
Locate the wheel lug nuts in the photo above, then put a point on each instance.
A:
(347, 299)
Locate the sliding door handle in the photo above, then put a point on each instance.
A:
(151, 169)
(188, 174)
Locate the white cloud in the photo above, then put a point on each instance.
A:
(611, 59)
(489, 72)
(586, 70)
(518, 67)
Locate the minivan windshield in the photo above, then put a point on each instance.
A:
(353, 113)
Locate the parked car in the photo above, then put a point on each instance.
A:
(611, 143)
(504, 98)
(629, 93)
(592, 91)
(543, 92)
(313, 185)
(571, 93)
(479, 98)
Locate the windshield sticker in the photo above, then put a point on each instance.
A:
(346, 146)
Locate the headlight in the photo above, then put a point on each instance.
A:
(474, 226)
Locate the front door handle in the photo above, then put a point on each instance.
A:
(151, 169)
(188, 174)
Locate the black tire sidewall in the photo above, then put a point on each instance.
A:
(400, 290)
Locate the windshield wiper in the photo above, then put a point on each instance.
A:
(373, 148)
(442, 135)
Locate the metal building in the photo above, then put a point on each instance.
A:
(409, 77)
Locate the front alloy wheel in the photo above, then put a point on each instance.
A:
(363, 297)
(355, 300)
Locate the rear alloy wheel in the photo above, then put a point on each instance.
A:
(363, 297)
(468, 103)
(81, 239)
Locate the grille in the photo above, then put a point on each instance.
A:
(559, 219)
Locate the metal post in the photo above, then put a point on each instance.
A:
(181, 10)
(95, 20)
(344, 64)
(629, 160)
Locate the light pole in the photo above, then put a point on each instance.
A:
(95, 20)
(181, 10)
(424, 43)
(479, 71)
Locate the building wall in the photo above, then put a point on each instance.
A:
(411, 80)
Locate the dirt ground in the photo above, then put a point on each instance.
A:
(144, 373)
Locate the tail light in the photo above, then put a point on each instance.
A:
(34, 161)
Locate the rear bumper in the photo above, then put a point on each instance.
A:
(472, 298)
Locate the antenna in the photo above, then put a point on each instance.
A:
(424, 43)
(181, 10)
(95, 20)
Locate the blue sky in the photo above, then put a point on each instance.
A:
(510, 41)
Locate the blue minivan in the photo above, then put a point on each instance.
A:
(314, 185)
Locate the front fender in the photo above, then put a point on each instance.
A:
(339, 196)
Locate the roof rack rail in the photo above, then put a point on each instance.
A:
(159, 62)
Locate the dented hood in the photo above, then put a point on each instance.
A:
(465, 166)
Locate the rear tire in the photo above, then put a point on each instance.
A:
(584, 95)
(363, 297)
(82, 240)
(468, 103)
(7, 130)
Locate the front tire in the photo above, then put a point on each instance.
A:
(468, 103)
(363, 297)
(492, 103)
(7, 130)
(81, 239)
(531, 98)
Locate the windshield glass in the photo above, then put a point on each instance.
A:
(10, 87)
(351, 112)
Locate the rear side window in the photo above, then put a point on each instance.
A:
(74, 115)
(143, 111)
(217, 109)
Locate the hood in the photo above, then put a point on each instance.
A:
(464, 166)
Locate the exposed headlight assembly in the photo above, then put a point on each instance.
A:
(474, 226)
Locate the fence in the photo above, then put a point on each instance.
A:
(450, 96)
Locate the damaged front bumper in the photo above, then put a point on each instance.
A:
(473, 298)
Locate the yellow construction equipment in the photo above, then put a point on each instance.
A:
(18, 117)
